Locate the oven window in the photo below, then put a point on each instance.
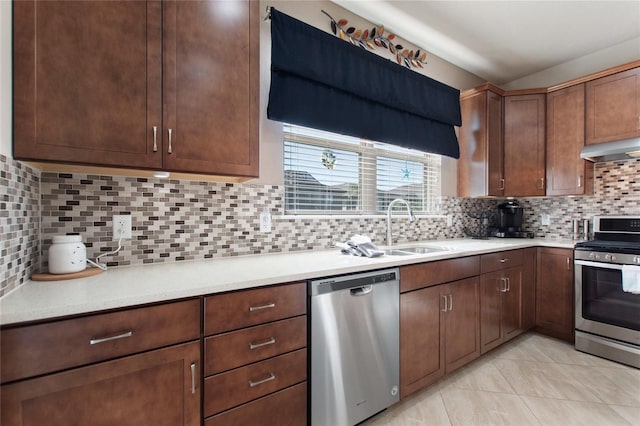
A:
(604, 301)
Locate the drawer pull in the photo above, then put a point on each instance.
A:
(96, 340)
(271, 341)
(505, 260)
(259, 382)
(193, 377)
(258, 308)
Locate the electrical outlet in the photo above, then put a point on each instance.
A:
(449, 220)
(121, 226)
(265, 222)
(545, 219)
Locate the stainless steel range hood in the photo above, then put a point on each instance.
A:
(611, 151)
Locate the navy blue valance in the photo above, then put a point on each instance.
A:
(320, 81)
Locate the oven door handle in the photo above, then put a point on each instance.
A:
(599, 264)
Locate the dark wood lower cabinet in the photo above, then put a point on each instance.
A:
(421, 348)
(500, 307)
(554, 293)
(439, 332)
(291, 410)
(462, 325)
(529, 288)
(154, 388)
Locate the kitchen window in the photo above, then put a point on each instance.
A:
(327, 173)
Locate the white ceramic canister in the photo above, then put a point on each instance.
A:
(67, 254)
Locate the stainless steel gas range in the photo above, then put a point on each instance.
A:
(607, 284)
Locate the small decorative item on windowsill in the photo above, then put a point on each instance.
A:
(369, 39)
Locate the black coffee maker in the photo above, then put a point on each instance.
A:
(510, 217)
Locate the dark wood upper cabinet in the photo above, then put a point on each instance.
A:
(567, 173)
(87, 82)
(106, 83)
(211, 86)
(480, 168)
(613, 107)
(524, 145)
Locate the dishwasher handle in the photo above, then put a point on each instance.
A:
(361, 291)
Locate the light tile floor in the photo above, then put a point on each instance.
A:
(532, 380)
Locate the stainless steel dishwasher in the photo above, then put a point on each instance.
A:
(355, 351)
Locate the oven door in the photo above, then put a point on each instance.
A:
(602, 307)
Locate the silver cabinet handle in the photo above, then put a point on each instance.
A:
(445, 303)
(579, 181)
(568, 263)
(508, 284)
(155, 138)
(505, 260)
(96, 340)
(259, 382)
(502, 184)
(271, 341)
(503, 286)
(258, 308)
(541, 183)
(170, 136)
(193, 377)
(451, 302)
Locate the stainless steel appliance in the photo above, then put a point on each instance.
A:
(355, 367)
(607, 318)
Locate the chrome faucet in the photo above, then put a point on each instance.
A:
(391, 204)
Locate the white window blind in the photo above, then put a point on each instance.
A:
(326, 173)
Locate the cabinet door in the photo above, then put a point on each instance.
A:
(511, 322)
(567, 173)
(554, 292)
(524, 145)
(480, 170)
(87, 82)
(211, 86)
(529, 288)
(421, 347)
(613, 107)
(492, 286)
(154, 388)
(462, 323)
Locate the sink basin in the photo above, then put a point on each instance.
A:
(409, 251)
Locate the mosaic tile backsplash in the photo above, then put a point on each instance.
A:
(19, 223)
(188, 220)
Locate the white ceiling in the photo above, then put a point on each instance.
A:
(502, 41)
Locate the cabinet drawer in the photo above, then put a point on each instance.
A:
(238, 386)
(38, 349)
(413, 277)
(500, 260)
(237, 348)
(226, 312)
(286, 407)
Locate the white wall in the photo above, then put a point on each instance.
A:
(271, 171)
(5, 78)
(594, 62)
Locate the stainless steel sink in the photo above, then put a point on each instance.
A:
(413, 250)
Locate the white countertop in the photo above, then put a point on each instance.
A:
(130, 286)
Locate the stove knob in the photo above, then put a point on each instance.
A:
(607, 257)
(592, 256)
(597, 256)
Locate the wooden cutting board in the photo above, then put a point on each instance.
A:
(45, 276)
